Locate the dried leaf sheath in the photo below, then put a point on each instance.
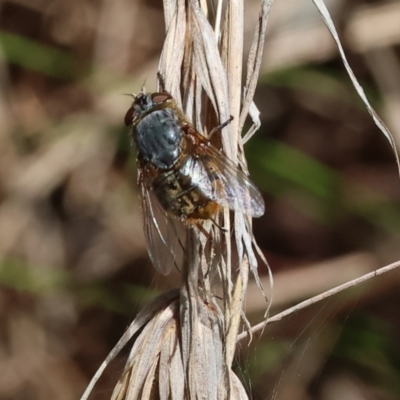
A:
(154, 368)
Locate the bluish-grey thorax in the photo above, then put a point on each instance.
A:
(158, 138)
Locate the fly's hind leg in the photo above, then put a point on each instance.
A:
(200, 227)
(221, 228)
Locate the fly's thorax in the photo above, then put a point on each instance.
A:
(158, 138)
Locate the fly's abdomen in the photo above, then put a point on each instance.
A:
(186, 192)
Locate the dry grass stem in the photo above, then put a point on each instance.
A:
(320, 297)
(186, 348)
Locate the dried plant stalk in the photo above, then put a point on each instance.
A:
(186, 345)
(213, 65)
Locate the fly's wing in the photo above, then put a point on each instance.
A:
(164, 235)
(227, 184)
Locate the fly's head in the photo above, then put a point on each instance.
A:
(145, 103)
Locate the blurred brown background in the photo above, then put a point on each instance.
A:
(74, 269)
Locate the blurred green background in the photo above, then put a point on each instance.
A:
(74, 268)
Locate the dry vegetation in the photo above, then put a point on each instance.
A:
(74, 269)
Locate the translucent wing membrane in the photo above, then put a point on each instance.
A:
(165, 236)
(230, 186)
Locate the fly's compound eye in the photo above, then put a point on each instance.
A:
(129, 116)
(161, 97)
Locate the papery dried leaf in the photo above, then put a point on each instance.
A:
(232, 54)
(146, 351)
(254, 60)
(177, 375)
(170, 366)
(206, 366)
(140, 321)
(148, 387)
(238, 391)
(254, 114)
(207, 62)
(174, 45)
